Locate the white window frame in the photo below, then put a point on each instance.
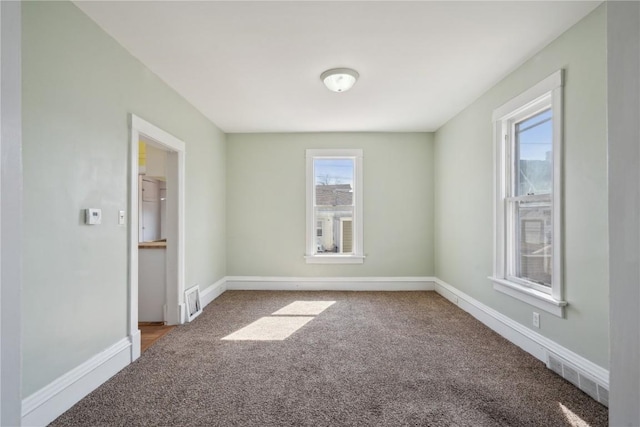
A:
(311, 255)
(546, 94)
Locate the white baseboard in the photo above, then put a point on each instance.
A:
(532, 342)
(259, 283)
(212, 292)
(136, 344)
(48, 403)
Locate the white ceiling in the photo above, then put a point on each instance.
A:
(255, 66)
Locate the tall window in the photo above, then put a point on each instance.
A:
(528, 247)
(334, 206)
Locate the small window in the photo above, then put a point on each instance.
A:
(334, 206)
(528, 255)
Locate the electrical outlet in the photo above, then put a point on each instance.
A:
(536, 319)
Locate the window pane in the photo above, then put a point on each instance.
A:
(333, 181)
(337, 232)
(534, 154)
(533, 234)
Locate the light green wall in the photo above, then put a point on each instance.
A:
(464, 191)
(79, 86)
(266, 204)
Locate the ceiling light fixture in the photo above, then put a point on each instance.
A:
(339, 79)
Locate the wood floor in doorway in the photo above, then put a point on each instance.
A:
(152, 332)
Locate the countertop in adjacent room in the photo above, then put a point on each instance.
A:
(152, 245)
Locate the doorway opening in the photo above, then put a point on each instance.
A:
(150, 332)
(156, 229)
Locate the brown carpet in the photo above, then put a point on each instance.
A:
(372, 358)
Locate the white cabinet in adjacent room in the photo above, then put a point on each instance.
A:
(151, 282)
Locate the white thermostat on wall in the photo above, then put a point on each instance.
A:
(92, 216)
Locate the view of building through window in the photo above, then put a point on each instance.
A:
(333, 205)
(533, 186)
(535, 263)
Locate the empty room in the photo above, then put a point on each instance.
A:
(325, 212)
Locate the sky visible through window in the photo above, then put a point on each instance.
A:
(333, 171)
(535, 136)
(534, 141)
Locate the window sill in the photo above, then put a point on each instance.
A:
(334, 259)
(530, 296)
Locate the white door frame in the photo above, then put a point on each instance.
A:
(174, 314)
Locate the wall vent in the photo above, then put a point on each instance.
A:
(578, 378)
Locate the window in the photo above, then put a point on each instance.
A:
(528, 208)
(334, 206)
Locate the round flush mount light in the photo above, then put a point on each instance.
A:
(339, 79)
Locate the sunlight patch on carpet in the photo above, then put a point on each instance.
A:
(572, 418)
(269, 329)
(304, 308)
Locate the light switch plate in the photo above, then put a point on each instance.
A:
(120, 217)
(93, 216)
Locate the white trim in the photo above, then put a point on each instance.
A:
(158, 135)
(533, 198)
(332, 279)
(176, 170)
(48, 403)
(531, 296)
(525, 338)
(550, 83)
(175, 270)
(330, 283)
(557, 102)
(334, 259)
(134, 219)
(212, 292)
(333, 152)
(136, 344)
(546, 93)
